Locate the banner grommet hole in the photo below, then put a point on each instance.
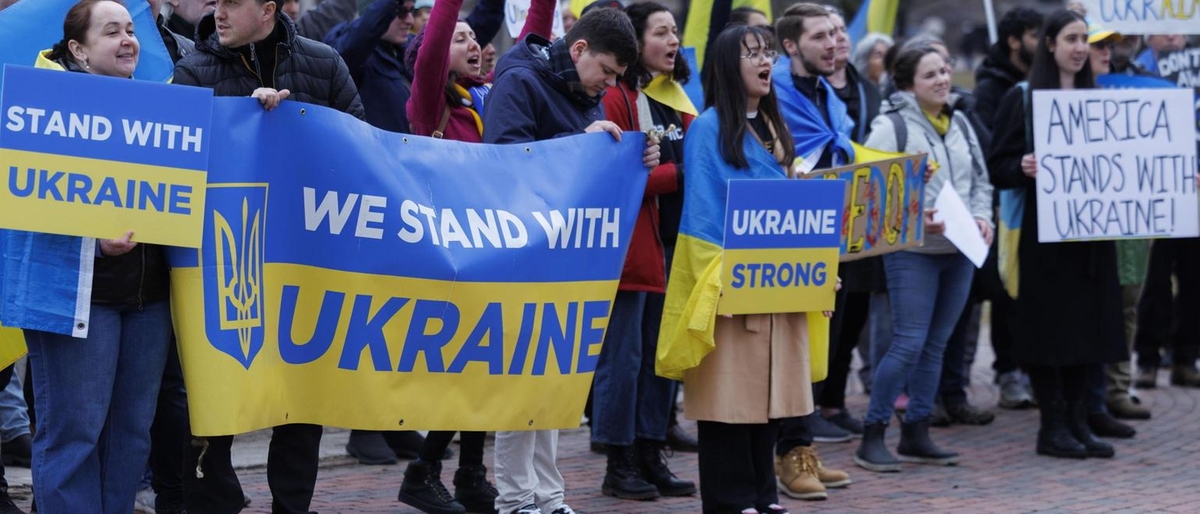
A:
(528, 150)
(402, 422)
(531, 422)
(303, 111)
(405, 139)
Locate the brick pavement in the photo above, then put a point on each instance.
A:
(1155, 472)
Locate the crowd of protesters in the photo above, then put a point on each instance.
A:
(103, 423)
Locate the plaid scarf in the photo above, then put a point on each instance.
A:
(558, 58)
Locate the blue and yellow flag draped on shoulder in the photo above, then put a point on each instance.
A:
(694, 288)
(811, 134)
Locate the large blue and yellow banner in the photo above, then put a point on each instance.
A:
(360, 278)
(781, 246)
(127, 156)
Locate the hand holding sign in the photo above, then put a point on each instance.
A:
(117, 247)
(1029, 165)
(270, 98)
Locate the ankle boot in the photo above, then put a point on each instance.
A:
(1054, 439)
(623, 479)
(915, 446)
(653, 462)
(1078, 425)
(473, 491)
(872, 453)
(422, 488)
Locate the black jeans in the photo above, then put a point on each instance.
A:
(470, 451)
(292, 461)
(1053, 384)
(5, 377)
(844, 328)
(169, 438)
(737, 468)
(1157, 323)
(952, 387)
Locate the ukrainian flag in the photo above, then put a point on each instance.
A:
(30, 26)
(873, 16)
(694, 288)
(699, 19)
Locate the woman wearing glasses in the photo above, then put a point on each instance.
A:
(757, 371)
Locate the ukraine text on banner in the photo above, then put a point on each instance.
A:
(28, 27)
(694, 288)
(882, 204)
(1157, 17)
(782, 239)
(99, 165)
(367, 279)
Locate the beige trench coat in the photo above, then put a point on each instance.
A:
(758, 371)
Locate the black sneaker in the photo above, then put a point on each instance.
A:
(423, 489)
(823, 431)
(7, 506)
(965, 414)
(473, 491)
(370, 448)
(845, 421)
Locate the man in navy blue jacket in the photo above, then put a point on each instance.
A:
(541, 91)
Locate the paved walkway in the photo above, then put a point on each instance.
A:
(1155, 472)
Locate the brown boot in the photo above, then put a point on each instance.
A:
(830, 478)
(797, 478)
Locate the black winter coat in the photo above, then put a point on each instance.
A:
(311, 71)
(1068, 308)
(995, 76)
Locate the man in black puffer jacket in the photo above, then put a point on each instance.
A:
(249, 48)
(236, 58)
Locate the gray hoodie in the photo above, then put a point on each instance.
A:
(959, 157)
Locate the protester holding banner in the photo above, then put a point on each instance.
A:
(446, 61)
(256, 32)
(97, 381)
(631, 403)
(928, 287)
(754, 369)
(1067, 313)
(545, 90)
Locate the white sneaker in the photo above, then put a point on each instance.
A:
(143, 503)
(529, 509)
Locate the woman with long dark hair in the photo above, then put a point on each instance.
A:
(1067, 310)
(736, 389)
(631, 404)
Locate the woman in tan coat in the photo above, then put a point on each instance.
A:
(742, 373)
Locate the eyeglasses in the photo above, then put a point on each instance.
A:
(756, 56)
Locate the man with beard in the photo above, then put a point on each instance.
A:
(821, 129)
(1008, 60)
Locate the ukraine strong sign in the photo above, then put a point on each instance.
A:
(354, 277)
(782, 240)
(125, 155)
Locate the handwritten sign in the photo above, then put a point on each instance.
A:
(781, 246)
(883, 202)
(1115, 164)
(1146, 17)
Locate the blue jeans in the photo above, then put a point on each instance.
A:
(927, 294)
(14, 414)
(628, 400)
(95, 399)
(879, 323)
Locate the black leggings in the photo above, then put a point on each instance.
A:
(470, 451)
(737, 467)
(1053, 384)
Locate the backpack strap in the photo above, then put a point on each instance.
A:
(1027, 108)
(441, 127)
(901, 130)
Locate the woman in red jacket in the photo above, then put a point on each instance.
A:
(630, 403)
(447, 96)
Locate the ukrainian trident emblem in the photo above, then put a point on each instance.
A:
(234, 265)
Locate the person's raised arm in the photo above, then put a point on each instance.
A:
(540, 20)
(356, 40)
(432, 69)
(486, 20)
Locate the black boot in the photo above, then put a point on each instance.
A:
(681, 441)
(422, 488)
(1104, 424)
(1054, 439)
(623, 479)
(915, 446)
(1077, 423)
(651, 456)
(7, 506)
(473, 491)
(369, 448)
(872, 453)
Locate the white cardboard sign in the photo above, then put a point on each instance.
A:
(1115, 164)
